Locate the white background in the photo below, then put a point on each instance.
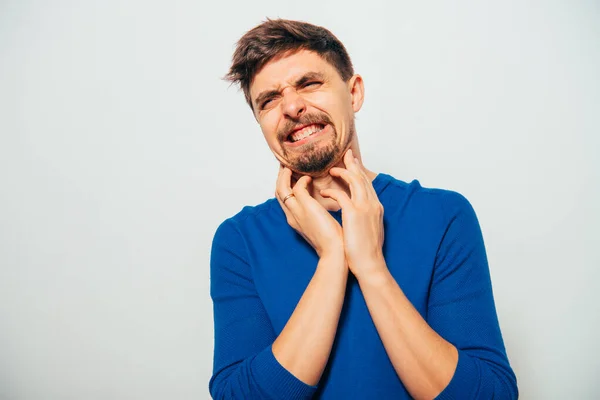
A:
(121, 151)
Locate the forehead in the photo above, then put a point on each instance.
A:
(285, 70)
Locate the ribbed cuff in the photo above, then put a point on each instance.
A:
(276, 381)
(461, 385)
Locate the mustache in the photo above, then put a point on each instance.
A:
(306, 119)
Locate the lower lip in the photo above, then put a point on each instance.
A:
(316, 135)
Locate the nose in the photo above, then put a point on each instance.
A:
(293, 104)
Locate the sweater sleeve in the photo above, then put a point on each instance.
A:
(461, 309)
(243, 366)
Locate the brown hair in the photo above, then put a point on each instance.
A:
(276, 37)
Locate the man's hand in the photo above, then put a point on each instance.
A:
(309, 218)
(362, 217)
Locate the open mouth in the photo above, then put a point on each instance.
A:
(304, 132)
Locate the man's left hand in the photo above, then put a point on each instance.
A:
(362, 218)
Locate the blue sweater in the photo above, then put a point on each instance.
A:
(433, 247)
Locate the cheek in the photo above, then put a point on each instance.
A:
(268, 126)
(269, 132)
(331, 103)
(319, 100)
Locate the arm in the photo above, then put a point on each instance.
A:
(423, 360)
(462, 310)
(458, 352)
(250, 362)
(304, 345)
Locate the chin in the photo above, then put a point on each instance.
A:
(312, 173)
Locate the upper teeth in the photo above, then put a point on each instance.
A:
(304, 132)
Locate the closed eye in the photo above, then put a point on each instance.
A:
(312, 83)
(266, 103)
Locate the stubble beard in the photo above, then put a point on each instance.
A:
(317, 158)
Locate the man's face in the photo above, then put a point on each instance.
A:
(306, 111)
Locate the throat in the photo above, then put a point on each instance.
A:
(327, 182)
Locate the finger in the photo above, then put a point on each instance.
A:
(287, 212)
(284, 189)
(356, 185)
(361, 168)
(283, 186)
(279, 196)
(278, 178)
(294, 180)
(289, 216)
(301, 194)
(301, 186)
(339, 196)
(279, 172)
(350, 163)
(353, 164)
(298, 201)
(371, 193)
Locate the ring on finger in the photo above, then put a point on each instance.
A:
(286, 198)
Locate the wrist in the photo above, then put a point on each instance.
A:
(333, 255)
(332, 250)
(372, 271)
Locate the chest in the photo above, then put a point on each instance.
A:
(282, 273)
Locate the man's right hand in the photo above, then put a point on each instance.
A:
(309, 218)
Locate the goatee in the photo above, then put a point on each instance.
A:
(316, 158)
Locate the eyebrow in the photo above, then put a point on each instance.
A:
(309, 76)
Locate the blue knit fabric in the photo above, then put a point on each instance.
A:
(433, 247)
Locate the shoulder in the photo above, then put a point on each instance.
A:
(247, 218)
(415, 198)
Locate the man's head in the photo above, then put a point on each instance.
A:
(299, 82)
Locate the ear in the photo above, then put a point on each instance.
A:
(357, 92)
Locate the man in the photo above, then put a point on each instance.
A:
(349, 284)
